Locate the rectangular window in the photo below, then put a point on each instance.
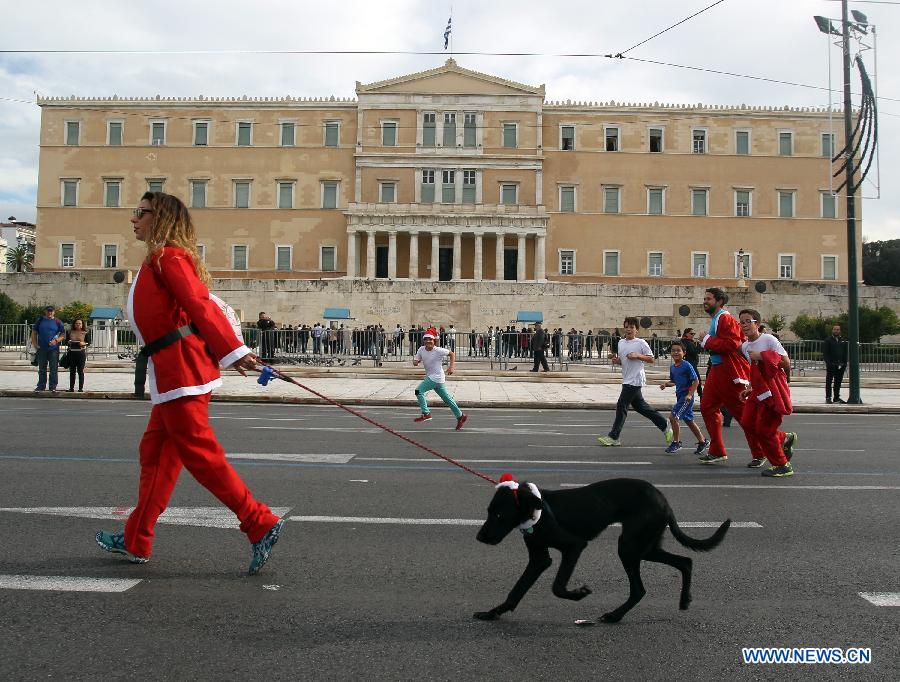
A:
(201, 133)
(244, 133)
(698, 201)
(785, 204)
(655, 263)
(328, 257)
(70, 193)
(110, 255)
(742, 142)
(829, 267)
(468, 192)
(157, 133)
(428, 129)
(566, 262)
(508, 194)
(656, 139)
(389, 134)
(239, 257)
(611, 263)
(786, 266)
(67, 255)
(112, 193)
(285, 195)
(567, 199)
(449, 129)
(427, 189)
(388, 194)
(198, 193)
(468, 130)
(612, 139)
(114, 133)
(743, 265)
(611, 199)
(201, 251)
(510, 136)
(828, 145)
(699, 141)
(282, 257)
(155, 184)
(288, 133)
(785, 143)
(448, 186)
(655, 200)
(699, 266)
(329, 194)
(332, 133)
(829, 205)
(742, 203)
(567, 138)
(73, 132)
(241, 194)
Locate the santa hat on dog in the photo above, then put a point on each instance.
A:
(430, 333)
(507, 481)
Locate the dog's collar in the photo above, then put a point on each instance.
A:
(528, 524)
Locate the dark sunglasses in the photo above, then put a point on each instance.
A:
(139, 212)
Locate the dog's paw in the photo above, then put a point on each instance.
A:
(611, 617)
(580, 593)
(486, 615)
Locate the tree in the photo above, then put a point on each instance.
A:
(873, 324)
(31, 312)
(881, 263)
(20, 258)
(9, 310)
(776, 323)
(808, 327)
(76, 310)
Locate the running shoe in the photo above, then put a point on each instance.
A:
(115, 543)
(261, 550)
(790, 442)
(462, 420)
(756, 462)
(606, 440)
(701, 448)
(669, 435)
(423, 418)
(674, 447)
(779, 472)
(712, 459)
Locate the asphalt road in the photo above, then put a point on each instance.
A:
(359, 586)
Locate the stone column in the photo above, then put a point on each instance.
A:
(435, 252)
(351, 254)
(414, 255)
(370, 254)
(457, 256)
(520, 260)
(498, 274)
(392, 254)
(479, 257)
(539, 187)
(540, 267)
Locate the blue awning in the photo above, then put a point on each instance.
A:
(106, 313)
(336, 314)
(530, 316)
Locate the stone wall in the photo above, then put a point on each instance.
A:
(463, 304)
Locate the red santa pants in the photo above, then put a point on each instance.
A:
(719, 390)
(177, 435)
(761, 425)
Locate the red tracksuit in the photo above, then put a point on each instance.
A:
(769, 402)
(166, 295)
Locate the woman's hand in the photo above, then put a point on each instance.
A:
(745, 394)
(246, 363)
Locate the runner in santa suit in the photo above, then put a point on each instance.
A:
(188, 335)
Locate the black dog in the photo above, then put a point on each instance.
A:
(568, 519)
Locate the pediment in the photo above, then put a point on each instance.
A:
(449, 79)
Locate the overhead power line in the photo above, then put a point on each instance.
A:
(655, 35)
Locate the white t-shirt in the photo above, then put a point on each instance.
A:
(434, 362)
(764, 342)
(633, 370)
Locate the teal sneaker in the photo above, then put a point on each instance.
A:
(712, 459)
(115, 543)
(782, 471)
(606, 440)
(790, 442)
(261, 550)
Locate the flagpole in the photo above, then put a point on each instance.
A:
(451, 31)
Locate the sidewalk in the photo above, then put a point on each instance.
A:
(503, 390)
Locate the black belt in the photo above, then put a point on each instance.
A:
(140, 363)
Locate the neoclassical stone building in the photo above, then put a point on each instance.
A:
(450, 175)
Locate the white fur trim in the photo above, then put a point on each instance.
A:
(741, 381)
(525, 525)
(764, 396)
(703, 341)
(233, 357)
(512, 485)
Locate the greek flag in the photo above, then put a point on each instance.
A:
(447, 32)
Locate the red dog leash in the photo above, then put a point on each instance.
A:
(268, 373)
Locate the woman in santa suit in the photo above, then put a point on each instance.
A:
(185, 332)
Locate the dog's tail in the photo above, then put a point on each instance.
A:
(694, 543)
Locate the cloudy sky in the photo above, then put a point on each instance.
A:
(775, 39)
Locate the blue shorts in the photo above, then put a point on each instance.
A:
(684, 409)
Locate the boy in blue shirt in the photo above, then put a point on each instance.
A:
(683, 377)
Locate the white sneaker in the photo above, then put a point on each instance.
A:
(669, 435)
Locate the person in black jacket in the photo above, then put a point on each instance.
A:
(692, 355)
(539, 343)
(834, 353)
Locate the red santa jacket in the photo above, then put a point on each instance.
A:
(167, 294)
(769, 383)
(727, 342)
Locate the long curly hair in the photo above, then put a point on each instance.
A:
(172, 226)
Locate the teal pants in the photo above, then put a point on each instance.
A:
(441, 390)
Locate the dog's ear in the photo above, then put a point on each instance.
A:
(528, 501)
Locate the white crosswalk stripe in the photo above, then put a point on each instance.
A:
(58, 583)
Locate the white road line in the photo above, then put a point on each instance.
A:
(203, 517)
(262, 419)
(882, 598)
(732, 486)
(65, 583)
(293, 457)
(475, 522)
(558, 424)
(660, 448)
(493, 461)
(336, 429)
